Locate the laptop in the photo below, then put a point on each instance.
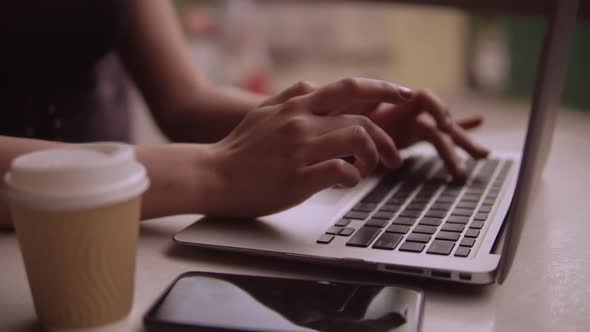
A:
(417, 221)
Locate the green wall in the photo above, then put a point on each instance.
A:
(525, 37)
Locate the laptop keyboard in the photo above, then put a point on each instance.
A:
(424, 210)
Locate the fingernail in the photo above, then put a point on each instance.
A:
(481, 154)
(461, 173)
(405, 93)
(396, 161)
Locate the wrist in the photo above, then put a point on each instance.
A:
(183, 179)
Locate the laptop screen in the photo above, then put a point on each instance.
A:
(548, 89)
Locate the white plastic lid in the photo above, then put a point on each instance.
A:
(76, 177)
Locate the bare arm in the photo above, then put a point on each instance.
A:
(186, 108)
(183, 190)
(293, 140)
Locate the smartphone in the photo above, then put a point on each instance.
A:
(204, 301)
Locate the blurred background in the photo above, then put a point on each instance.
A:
(264, 46)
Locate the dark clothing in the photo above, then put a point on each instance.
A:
(59, 79)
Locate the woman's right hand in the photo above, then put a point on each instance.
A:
(291, 146)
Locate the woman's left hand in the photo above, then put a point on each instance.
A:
(406, 126)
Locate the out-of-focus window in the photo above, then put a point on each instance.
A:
(265, 46)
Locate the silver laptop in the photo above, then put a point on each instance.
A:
(417, 221)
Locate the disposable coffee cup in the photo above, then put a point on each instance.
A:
(76, 212)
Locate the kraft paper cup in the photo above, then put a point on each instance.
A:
(76, 212)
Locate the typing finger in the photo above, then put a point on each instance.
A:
(446, 149)
(463, 140)
(426, 101)
(295, 90)
(329, 173)
(388, 151)
(387, 148)
(470, 123)
(350, 141)
(337, 97)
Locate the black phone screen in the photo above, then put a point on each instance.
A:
(199, 301)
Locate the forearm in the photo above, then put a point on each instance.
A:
(182, 178)
(186, 107)
(209, 115)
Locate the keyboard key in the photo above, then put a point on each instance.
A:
(397, 200)
(481, 216)
(325, 239)
(410, 213)
(404, 221)
(372, 199)
(435, 214)
(455, 184)
(421, 200)
(462, 252)
(470, 198)
(346, 231)
(472, 232)
(467, 242)
(429, 188)
(466, 205)
(448, 236)
(441, 175)
(388, 241)
(425, 229)
(365, 207)
(400, 229)
(401, 195)
(389, 207)
(425, 195)
(416, 206)
(357, 215)
(444, 199)
(485, 209)
(412, 246)
(441, 206)
(462, 212)
(363, 237)
(489, 201)
(376, 222)
(439, 247)
(333, 230)
(478, 185)
(406, 190)
(458, 220)
(382, 215)
(451, 191)
(469, 165)
(476, 224)
(417, 237)
(474, 191)
(453, 227)
(377, 194)
(430, 221)
(342, 222)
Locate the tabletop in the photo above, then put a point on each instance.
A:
(546, 290)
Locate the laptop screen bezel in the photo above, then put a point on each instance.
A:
(545, 105)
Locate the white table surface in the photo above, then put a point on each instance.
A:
(548, 288)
